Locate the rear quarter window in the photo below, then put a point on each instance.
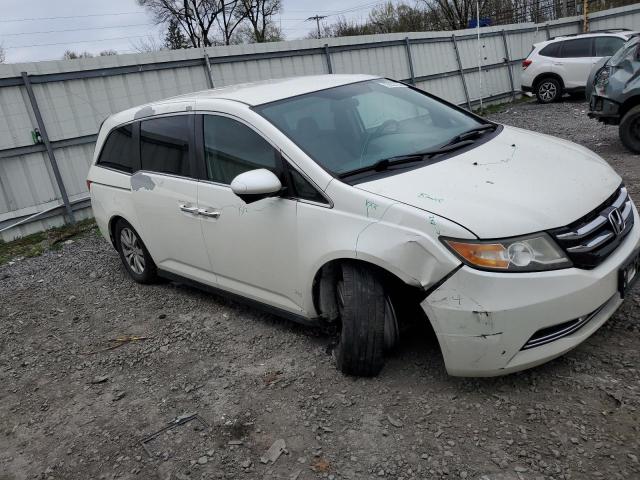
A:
(118, 150)
(551, 50)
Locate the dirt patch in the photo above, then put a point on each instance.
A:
(72, 409)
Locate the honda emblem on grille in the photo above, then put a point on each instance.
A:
(617, 221)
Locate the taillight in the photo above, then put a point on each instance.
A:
(89, 185)
(526, 63)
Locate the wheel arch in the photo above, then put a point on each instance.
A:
(326, 276)
(628, 104)
(542, 76)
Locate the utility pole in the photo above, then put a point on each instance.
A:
(585, 13)
(317, 18)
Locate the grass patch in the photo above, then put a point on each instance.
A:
(501, 107)
(38, 243)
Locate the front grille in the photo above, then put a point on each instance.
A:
(550, 334)
(591, 239)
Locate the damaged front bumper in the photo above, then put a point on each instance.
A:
(604, 110)
(490, 323)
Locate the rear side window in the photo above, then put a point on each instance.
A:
(580, 47)
(551, 50)
(118, 151)
(607, 46)
(164, 144)
(232, 148)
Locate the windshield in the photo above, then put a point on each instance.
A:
(354, 126)
(625, 52)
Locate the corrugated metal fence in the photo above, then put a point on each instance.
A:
(42, 183)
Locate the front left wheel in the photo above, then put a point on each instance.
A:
(134, 254)
(369, 323)
(629, 129)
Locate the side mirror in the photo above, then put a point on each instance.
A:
(255, 185)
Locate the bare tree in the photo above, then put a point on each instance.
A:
(71, 55)
(3, 55)
(454, 14)
(232, 15)
(147, 45)
(196, 17)
(107, 53)
(260, 15)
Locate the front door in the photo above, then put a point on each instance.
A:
(165, 197)
(252, 247)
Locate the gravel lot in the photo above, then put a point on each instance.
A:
(74, 407)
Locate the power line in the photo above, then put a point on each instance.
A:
(73, 43)
(70, 16)
(77, 29)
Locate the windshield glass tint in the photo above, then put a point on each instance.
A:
(354, 126)
(628, 50)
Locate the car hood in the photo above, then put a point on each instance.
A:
(516, 183)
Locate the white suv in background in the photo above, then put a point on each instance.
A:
(562, 64)
(367, 203)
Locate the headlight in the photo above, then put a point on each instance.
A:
(531, 253)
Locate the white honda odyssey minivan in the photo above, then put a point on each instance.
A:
(368, 203)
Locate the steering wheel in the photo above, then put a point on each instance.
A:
(378, 132)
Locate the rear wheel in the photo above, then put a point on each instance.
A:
(548, 90)
(134, 254)
(629, 129)
(369, 323)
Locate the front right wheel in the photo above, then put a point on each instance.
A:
(629, 129)
(369, 323)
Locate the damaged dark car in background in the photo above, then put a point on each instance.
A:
(613, 91)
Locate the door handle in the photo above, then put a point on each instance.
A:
(209, 213)
(188, 209)
(558, 63)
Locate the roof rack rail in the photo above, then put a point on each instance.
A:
(607, 30)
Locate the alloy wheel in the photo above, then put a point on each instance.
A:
(132, 250)
(548, 91)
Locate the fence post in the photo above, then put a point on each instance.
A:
(47, 144)
(407, 46)
(507, 61)
(207, 65)
(464, 81)
(546, 28)
(328, 57)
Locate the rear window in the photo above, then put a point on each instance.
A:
(551, 50)
(164, 144)
(580, 47)
(118, 151)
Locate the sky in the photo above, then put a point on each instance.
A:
(35, 30)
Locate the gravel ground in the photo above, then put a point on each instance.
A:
(74, 407)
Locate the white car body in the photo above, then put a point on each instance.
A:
(271, 251)
(571, 71)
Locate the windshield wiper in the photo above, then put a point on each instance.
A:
(472, 132)
(419, 156)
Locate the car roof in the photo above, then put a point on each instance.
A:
(254, 93)
(266, 91)
(622, 33)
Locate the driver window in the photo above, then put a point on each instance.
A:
(232, 148)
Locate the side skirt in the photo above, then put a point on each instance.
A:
(279, 312)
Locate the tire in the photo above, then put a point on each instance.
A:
(363, 304)
(548, 90)
(629, 129)
(134, 254)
